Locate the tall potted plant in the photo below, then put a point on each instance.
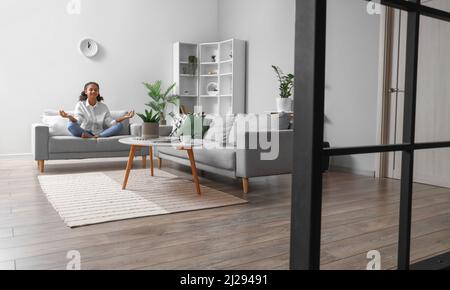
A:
(284, 102)
(150, 127)
(160, 99)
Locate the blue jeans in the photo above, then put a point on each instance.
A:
(77, 131)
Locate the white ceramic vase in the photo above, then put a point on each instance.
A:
(284, 104)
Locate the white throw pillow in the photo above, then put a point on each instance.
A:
(57, 125)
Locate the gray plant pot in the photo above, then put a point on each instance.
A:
(150, 130)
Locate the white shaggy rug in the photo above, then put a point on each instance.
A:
(91, 198)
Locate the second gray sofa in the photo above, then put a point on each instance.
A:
(237, 163)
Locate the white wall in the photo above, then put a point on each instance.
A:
(352, 65)
(352, 81)
(40, 66)
(268, 26)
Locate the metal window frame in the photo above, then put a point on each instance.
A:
(306, 214)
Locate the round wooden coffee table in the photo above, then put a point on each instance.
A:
(137, 142)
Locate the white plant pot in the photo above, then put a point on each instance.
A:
(150, 130)
(284, 104)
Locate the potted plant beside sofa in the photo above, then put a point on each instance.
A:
(284, 102)
(160, 99)
(150, 127)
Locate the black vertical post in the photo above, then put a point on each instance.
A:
(409, 128)
(306, 211)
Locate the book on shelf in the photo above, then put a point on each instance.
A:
(183, 110)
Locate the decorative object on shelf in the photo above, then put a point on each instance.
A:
(150, 127)
(88, 47)
(212, 89)
(192, 60)
(231, 54)
(183, 110)
(160, 100)
(213, 58)
(212, 72)
(186, 92)
(284, 102)
(185, 71)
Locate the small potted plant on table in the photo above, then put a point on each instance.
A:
(150, 127)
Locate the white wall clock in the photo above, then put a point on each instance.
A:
(88, 47)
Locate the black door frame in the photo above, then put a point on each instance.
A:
(310, 42)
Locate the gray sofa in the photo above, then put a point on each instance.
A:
(237, 163)
(47, 145)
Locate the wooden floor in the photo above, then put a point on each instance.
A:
(359, 214)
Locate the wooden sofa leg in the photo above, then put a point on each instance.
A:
(245, 184)
(144, 161)
(159, 163)
(41, 165)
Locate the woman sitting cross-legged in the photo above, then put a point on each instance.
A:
(92, 118)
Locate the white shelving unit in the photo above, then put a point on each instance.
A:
(221, 66)
(185, 78)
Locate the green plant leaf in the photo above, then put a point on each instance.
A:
(144, 118)
(286, 82)
(154, 98)
(159, 100)
(154, 106)
(169, 90)
(173, 100)
(278, 72)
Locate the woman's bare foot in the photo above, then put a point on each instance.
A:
(86, 135)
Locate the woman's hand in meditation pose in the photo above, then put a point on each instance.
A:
(128, 115)
(65, 115)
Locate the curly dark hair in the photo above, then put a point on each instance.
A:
(83, 96)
